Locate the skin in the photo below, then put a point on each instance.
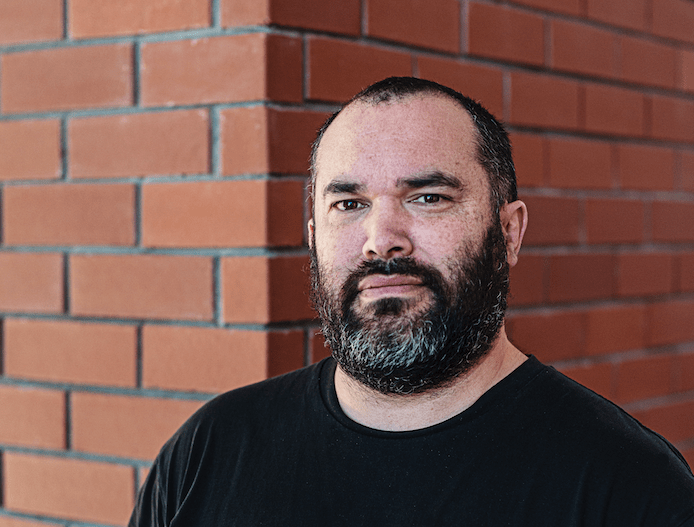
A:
(402, 179)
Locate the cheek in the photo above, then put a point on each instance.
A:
(338, 250)
(442, 242)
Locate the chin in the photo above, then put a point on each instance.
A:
(394, 306)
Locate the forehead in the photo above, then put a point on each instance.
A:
(396, 139)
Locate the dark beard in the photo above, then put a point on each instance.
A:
(398, 352)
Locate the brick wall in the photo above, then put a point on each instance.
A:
(152, 179)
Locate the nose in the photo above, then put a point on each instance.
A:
(387, 232)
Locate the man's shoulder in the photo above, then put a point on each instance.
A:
(261, 399)
(581, 417)
(582, 443)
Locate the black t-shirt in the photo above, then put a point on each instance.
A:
(537, 449)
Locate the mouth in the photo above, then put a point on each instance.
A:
(380, 286)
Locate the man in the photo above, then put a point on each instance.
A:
(426, 414)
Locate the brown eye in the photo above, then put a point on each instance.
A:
(348, 204)
(428, 198)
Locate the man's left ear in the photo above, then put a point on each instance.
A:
(514, 220)
(310, 232)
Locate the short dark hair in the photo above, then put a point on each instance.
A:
(493, 145)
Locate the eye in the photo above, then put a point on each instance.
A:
(348, 204)
(429, 198)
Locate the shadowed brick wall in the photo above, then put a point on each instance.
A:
(153, 161)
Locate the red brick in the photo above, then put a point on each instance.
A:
(72, 352)
(529, 157)
(578, 277)
(259, 289)
(337, 70)
(284, 218)
(614, 221)
(527, 280)
(221, 69)
(320, 15)
(596, 377)
(244, 137)
(684, 365)
(284, 65)
(67, 78)
(646, 167)
(69, 488)
(578, 163)
(133, 427)
(569, 7)
(644, 378)
(644, 274)
(580, 48)
(202, 359)
(670, 322)
(649, 63)
(505, 33)
(30, 20)
(69, 215)
(261, 140)
(685, 267)
(671, 221)
(416, 22)
(289, 140)
(686, 171)
(674, 421)
(31, 150)
(139, 144)
(286, 352)
(552, 221)
(549, 336)
(687, 67)
(343, 16)
(31, 282)
(31, 417)
(99, 18)
(541, 100)
(623, 13)
(615, 328)
(142, 473)
(243, 213)
(674, 19)
(256, 13)
(481, 83)
(141, 286)
(614, 111)
(672, 119)
(215, 360)
(218, 69)
(8, 521)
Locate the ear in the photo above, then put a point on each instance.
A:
(310, 232)
(514, 220)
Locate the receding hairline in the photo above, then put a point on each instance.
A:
(494, 152)
(392, 99)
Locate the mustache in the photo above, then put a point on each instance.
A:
(428, 276)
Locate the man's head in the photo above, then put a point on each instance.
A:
(493, 145)
(412, 234)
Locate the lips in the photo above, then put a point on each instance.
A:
(389, 285)
(378, 281)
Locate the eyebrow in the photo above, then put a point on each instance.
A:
(433, 179)
(342, 187)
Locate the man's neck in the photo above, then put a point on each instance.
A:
(399, 413)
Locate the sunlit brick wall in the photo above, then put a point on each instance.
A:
(153, 161)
